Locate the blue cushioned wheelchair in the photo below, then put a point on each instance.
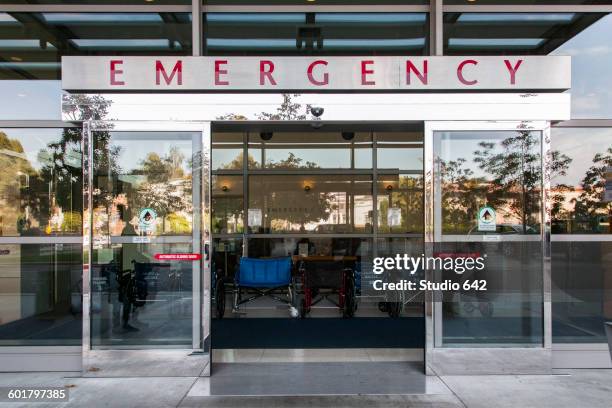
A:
(265, 277)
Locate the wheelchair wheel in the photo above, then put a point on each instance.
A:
(349, 298)
(220, 298)
(394, 309)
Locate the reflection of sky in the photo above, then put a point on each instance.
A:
(591, 70)
(34, 141)
(135, 148)
(580, 145)
(462, 145)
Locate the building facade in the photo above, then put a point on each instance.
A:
(149, 146)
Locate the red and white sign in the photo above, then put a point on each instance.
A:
(280, 74)
(178, 257)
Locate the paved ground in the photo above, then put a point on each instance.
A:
(567, 388)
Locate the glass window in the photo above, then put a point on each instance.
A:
(311, 150)
(301, 2)
(136, 172)
(31, 44)
(581, 276)
(591, 76)
(517, 2)
(40, 294)
(399, 151)
(313, 203)
(400, 204)
(316, 33)
(580, 162)
(40, 182)
(227, 204)
(501, 169)
(511, 33)
(117, 2)
(227, 151)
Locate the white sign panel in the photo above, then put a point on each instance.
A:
(487, 219)
(219, 74)
(254, 217)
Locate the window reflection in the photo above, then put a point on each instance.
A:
(40, 182)
(579, 204)
(533, 33)
(591, 79)
(400, 204)
(316, 33)
(501, 169)
(139, 171)
(312, 150)
(31, 44)
(399, 151)
(300, 203)
(40, 294)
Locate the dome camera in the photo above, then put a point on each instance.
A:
(265, 136)
(317, 111)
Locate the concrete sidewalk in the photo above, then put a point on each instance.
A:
(567, 388)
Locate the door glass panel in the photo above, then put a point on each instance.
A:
(499, 170)
(143, 206)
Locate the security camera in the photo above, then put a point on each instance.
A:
(265, 135)
(317, 111)
(348, 135)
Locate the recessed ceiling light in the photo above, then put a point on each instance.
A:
(17, 59)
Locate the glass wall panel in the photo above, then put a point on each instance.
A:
(316, 33)
(301, 2)
(501, 170)
(582, 218)
(227, 153)
(511, 33)
(310, 150)
(522, 2)
(399, 151)
(40, 294)
(400, 203)
(40, 182)
(310, 203)
(227, 204)
(31, 44)
(591, 75)
(110, 2)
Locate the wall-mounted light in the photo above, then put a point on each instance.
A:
(389, 187)
(224, 188)
(307, 188)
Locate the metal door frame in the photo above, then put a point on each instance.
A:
(484, 360)
(93, 359)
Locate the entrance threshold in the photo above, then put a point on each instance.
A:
(319, 355)
(303, 379)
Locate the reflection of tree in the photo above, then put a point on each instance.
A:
(560, 162)
(517, 175)
(165, 188)
(409, 198)
(459, 188)
(512, 184)
(590, 204)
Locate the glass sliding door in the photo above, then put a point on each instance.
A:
(147, 255)
(487, 200)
